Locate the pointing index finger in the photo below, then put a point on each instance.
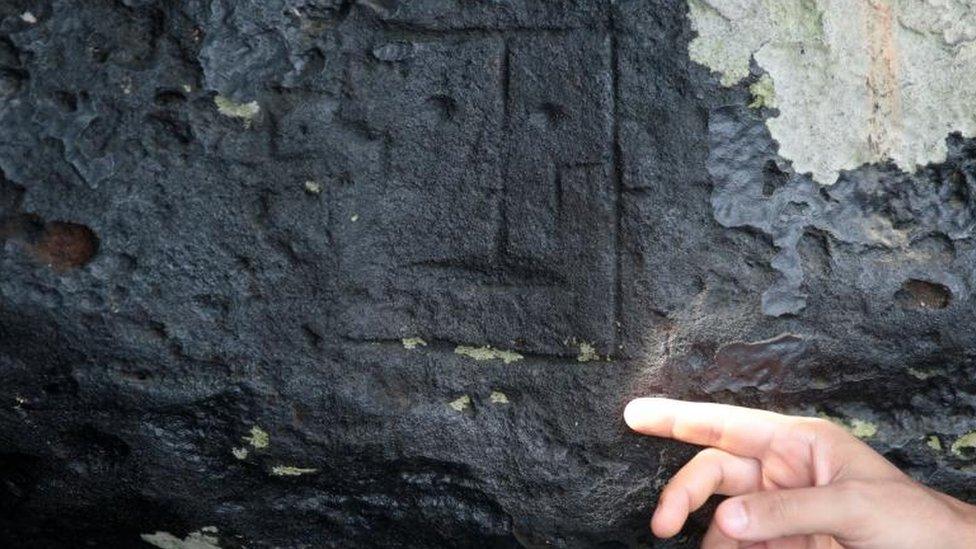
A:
(741, 431)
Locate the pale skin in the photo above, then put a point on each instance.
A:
(794, 482)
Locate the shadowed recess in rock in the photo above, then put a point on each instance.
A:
(60, 245)
(922, 294)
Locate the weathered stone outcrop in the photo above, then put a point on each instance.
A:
(335, 273)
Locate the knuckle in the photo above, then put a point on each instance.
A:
(782, 509)
(772, 510)
(853, 492)
(850, 485)
(824, 428)
(711, 435)
(675, 491)
(820, 424)
(855, 497)
(675, 497)
(710, 455)
(667, 494)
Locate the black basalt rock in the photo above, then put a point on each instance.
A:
(323, 273)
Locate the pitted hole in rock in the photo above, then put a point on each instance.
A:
(921, 295)
(167, 97)
(957, 189)
(65, 100)
(93, 451)
(773, 178)
(11, 81)
(441, 108)
(166, 129)
(814, 248)
(314, 62)
(64, 246)
(11, 197)
(549, 116)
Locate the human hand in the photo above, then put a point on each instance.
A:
(795, 482)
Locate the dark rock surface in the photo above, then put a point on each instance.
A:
(204, 300)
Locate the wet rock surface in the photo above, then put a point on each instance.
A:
(307, 273)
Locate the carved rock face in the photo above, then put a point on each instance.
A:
(385, 273)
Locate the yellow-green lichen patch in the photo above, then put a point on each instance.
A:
(498, 397)
(862, 429)
(313, 187)
(763, 93)
(289, 471)
(205, 538)
(488, 353)
(921, 374)
(934, 443)
(413, 342)
(460, 404)
(258, 438)
(857, 427)
(239, 453)
(965, 446)
(587, 352)
(244, 111)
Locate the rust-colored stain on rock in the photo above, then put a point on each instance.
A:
(882, 80)
(64, 246)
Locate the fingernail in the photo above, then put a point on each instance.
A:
(636, 411)
(630, 412)
(736, 520)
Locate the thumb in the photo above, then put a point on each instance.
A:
(761, 516)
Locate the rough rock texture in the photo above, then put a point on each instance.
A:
(325, 273)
